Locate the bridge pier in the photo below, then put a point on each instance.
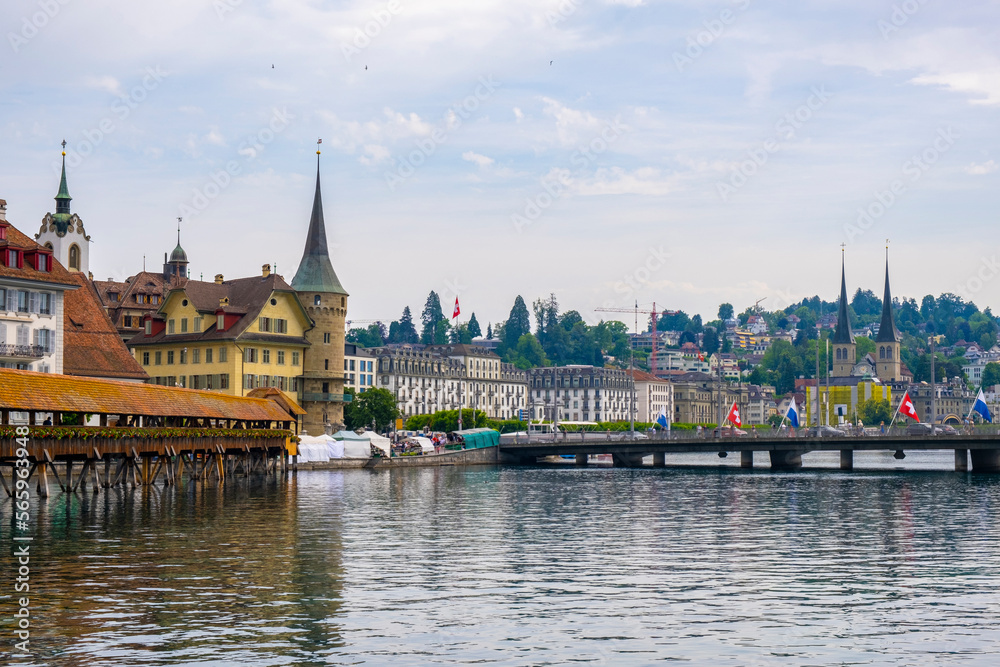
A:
(627, 460)
(961, 460)
(847, 459)
(985, 460)
(581, 460)
(659, 460)
(786, 459)
(746, 459)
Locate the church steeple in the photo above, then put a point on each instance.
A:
(844, 347)
(315, 272)
(63, 199)
(843, 333)
(887, 332)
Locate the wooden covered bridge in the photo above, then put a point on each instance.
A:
(131, 433)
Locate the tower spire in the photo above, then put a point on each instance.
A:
(843, 334)
(63, 199)
(887, 332)
(315, 272)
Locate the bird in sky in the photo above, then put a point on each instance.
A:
(366, 68)
(550, 63)
(272, 66)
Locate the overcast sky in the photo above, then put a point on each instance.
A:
(683, 152)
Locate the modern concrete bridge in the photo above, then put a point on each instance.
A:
(785, 451)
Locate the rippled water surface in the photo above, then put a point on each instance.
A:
(524, 566)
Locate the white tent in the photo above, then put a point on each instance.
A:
(313, 449)
(426, 444)
(379, 441)
(354, 446)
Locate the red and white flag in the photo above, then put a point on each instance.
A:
(734, 415)
(906, 407)
(457, 310)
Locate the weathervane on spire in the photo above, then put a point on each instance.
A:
(179, 220)
(318, 142)
(64, 146)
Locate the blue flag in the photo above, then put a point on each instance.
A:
(792, 415)
(981, 407)
(662, 418)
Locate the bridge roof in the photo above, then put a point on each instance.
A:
(46, 392)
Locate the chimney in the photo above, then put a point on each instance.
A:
(3, 210)
(266, 270)
(218, 278)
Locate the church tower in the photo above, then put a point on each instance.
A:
(63, 230)
(325, 300)
(888, 364)
(177, 265)
(844, 348)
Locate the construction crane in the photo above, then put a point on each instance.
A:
(350, 322)
(636, 310)
(756, 306)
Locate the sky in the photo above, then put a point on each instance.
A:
(612, 152)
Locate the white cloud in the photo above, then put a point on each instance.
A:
(617, 181)
(571, 124)
(108, 84)
(982, 169)
(215, 138)
(480, 160)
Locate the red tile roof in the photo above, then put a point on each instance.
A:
(15, 239)
(91, 344)
(46, 392)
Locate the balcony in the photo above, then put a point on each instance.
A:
(21, 352)
(327, 398)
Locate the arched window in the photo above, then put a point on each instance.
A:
(48, 244)
(881, 353)
(74, 257)
(316, 300)
(888, 352)
(343, 302)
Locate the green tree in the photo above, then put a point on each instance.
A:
(710, 341)
(865, 345)
(874, 411)
(518, 323)
(473, 326)
(375, 404)
(529, 353)
(441, 333)
(489, 331)
(402, 331)
(372, 336)
(783, 360)
(726, 312)
(431, 318)
(460, 334)
(991, 374)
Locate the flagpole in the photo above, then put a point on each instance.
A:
(895, 414)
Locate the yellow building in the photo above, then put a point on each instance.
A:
(839, 403)
(232, 336)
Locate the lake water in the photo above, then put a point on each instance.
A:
(526, 566)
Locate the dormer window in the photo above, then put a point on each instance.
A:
(14, 259)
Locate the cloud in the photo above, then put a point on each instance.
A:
(480, 160)
(982, 169)
(108, 84)
(617, 181)
(571, 124)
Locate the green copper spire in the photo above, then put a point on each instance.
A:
(843, 334)
(63, 199)
(315, 273)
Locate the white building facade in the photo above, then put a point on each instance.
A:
(579, 393)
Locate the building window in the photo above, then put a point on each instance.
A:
(316, 300)
(281, 357)
(74, 257)
(220, 322)
(250, 355)
(264, 324)
(222, 355)
(145, 358)
(170, 356)
(197, 325)
(224, 381)
(326, 338)
(208, 356)
(184, 325)
(158, 356)
(196, 356)
(170, 326)
(351, 365)
(265, 356)
(184, 356)
(280, 326)
(326, 364)
(148, 327)
(295, 358)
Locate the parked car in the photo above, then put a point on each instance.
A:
(826, 431)
(728, 432)
(947, 429)
(919, 428)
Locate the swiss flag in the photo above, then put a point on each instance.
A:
(701, 357)
(906, 407)
(734, 415)
(457, 311)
